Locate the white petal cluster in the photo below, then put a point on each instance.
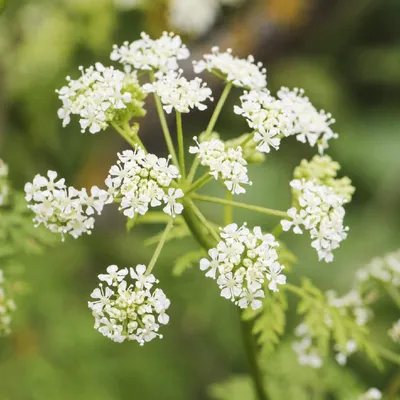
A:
(243, 73)
(267, 117)
(385, 269)
(394, 332)
(307, 353)
(241, 262)
(7, 306)
(176, 92)
(371, 394)
(4, 188)
(226, 164)
(63, 209)
(96, 96)
(310, 125)
(143, 180)
(126, 310)
(160, 54)
(321, 213)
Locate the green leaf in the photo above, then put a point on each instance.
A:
(187, 261)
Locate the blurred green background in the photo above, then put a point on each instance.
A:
(347, 57)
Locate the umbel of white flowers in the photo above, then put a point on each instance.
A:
(244, 262)
(129, 309)
(241, 262)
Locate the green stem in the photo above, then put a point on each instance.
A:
(199, 183)
(228, 211)
(181, 149)
(247, 140)
(250, 348)
(159, 247)
(199, 232)
(206, 224)
(164, 125)
(135, 137)
(387, 354)
(259, 209)
(125, 135)
(211, 126)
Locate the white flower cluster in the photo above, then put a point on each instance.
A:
(176, 92)
(371, 394)
(96, 96)
(4, 189)
(307, 353)
(321, 212)
(394, 332)
(267, 117)
(385, 269)
(7, 306)
(129, 311)
(226, 164)
(310, 125)
(291, 114)
(64, 209)
(241, 262)
(243, 73)
(147, 54)
(143, 180)
(343, 353)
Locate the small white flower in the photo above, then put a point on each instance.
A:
(172, 206)
(7, 306)
(394, 332)
(114, 275)
(275, 277)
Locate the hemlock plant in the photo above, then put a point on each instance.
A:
(248, 265)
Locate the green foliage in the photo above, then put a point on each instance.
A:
(269, 321)
(285, 380)
(327, 323)
(238, 387)
(187, 261)
(17, 232)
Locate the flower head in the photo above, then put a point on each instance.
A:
(143, 180)
(101, 95)
(371, 394)
(310, 125)
(226, 164)
(161, 54)
(241, 262)
(320, 212)
(243, 73)
(126, 310)
(176, 92)
(63, 209)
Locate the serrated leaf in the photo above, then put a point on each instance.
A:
(186, 261)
